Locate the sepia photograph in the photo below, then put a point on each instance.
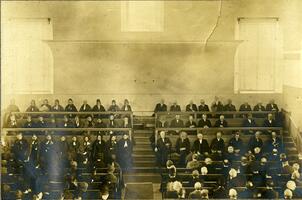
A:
(151, 99)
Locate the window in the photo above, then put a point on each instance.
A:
(27, 60)
(257, 68)
(142, 16)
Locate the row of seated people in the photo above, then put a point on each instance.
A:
(249, 175)
(204, 122)
(70, 107)
(68, 122)
(218, 149)
(39, 161)
(217, 106)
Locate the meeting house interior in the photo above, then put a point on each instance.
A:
(142, 100)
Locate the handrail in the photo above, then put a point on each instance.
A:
(217, 112)
(66, 129)
(78, 112)
(219, 129)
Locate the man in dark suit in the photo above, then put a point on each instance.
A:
(41, 123)
(237, 143)
(221, 122)
(191, 124)
(191, 107)
(201, 146)
(259, 107)
(177, 122)
(255, 141)
(217, 106)
(245, 107)
(125, 149)
(163, 148)
(274, 142)
(85, 108)
(196, 194)
(229, 107)
(161, 122)
(203, 106)
(272, 106)
(182, 147)
(126, 107)
(269, 122)
(249, 122)
(32, 107)
(113, 107)
(20, 149)
(175, 107)
(204, 122)
(70, 108)
(269, 192)
(161, 107)
(98, 107)
(217, 146)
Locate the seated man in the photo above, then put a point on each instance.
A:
(112, 122)
(271, 106)
(191, 107)
(161, 122)
(32, 107)
(217, 146)
(221, 122)
(237, 143)
(229, 107)
(161, 107)
(274, 143)
(113, 107)
(67, 123)
(182, 147)
(194, 177)
(249, 122)
(233, 179)
(29, 123)
(255, 141)
(269, 122)
(70, 108)
(203, 107)
(100, 124)
(196, 194)
(12, 121)
(191, 124)
(233, 194)
(45, 106)
(175, 107)
(41, 123)
(245, 107)
(217, 106)
(89, 123)
(85, 108)
(204, 122)
(126, 107)
(230, 155)
(98, 107)
(200, 146)
(259, 107)
(177, 122)
(57, 108)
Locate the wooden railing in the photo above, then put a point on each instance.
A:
(226, 130)
(127, 113)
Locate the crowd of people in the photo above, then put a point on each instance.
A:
(37, 161)
(253, 164)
